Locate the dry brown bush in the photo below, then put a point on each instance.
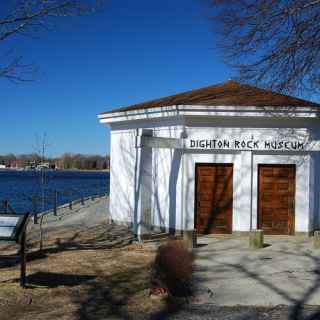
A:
(173, 268)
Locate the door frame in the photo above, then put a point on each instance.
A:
(292, 231)
(210, 164)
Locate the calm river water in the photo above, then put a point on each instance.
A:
(18, 187)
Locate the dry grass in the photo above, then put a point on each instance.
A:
(80, 275)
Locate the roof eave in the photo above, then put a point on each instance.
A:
(209, 111)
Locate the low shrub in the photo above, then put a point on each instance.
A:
(172, 269)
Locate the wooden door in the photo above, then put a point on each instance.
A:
(214, 198)
(276, 199)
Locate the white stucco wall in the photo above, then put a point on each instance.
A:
(166, 184)
(124, 161)
(173, 175)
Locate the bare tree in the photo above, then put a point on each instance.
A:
(28, 18)
(83, 162)
(273, 43)
(41, 146)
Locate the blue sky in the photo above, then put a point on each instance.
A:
(131, 52)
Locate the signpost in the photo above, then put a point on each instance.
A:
(13, 228)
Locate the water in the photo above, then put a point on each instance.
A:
(18, 187)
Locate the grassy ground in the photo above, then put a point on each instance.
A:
(92, 274)
(99, 273)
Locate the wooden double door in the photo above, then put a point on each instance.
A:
(276, 199)
(214, 198)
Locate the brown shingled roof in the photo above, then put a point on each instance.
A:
(230, 93)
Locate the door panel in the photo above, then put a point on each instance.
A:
(214, 198)
(276, 196)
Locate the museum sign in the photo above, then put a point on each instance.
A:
(247, 144)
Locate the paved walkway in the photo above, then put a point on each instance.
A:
(286, 272)
(212, 312)
(82, 217)
(92, 213)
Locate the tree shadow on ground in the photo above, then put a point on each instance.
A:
(110, 295)
(55, 280)
(106, 239)
(124, 295)
(298, 308)
(122, 292)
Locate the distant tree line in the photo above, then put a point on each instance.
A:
(67, 161)
(83, 162)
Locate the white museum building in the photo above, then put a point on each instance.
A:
(227, 158)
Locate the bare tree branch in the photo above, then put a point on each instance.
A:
(28, 17)
(273, 43)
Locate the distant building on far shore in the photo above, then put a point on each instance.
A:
(17, 164)
(43, 165)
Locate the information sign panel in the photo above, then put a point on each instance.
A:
(11, 226)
